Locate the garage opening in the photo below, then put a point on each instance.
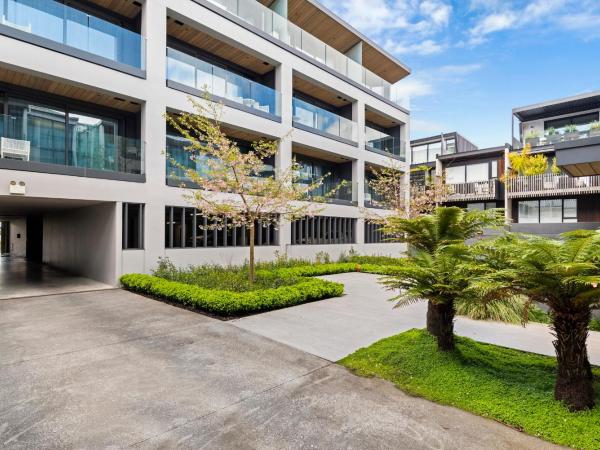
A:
(52, 246)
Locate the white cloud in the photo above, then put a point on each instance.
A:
(426, 127)
(459, 69)
(510, 14)
(418, 21)
(426, 47)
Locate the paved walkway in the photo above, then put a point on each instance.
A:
(113, 369)
(335, 328)
(22, 278)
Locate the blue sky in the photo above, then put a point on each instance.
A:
(472, 61)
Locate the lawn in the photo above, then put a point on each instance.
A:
(506, 385)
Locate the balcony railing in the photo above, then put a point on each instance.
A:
(320, 119)
(382, 142)
(57, 22)
(201, 75)
(44, 140)
(331, 192)
(551, 139)
(476, 190)
(551, 185)
(270, 22)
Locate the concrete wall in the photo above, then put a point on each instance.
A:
(18, 237)
(82, 241)
(156, 98)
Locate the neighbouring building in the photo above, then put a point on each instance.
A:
(566, 131)
(84, 181)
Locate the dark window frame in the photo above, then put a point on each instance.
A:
(562, 206)
(141, 225)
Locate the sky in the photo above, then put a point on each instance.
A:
(473, 61)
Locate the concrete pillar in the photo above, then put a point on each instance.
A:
(284, 84)
(154, 28)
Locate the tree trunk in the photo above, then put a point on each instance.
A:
(440, 323)
(574, 380)
(251, 278)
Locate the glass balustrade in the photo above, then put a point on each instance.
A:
(381, 141)
(46, 139)
(198, 74)
(320, 119)
(270, 22)
(66, 25)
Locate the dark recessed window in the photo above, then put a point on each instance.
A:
(133, 226)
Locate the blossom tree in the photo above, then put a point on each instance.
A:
(230, 185)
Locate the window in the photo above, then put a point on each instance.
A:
(494, 169)
(582, 122)
(477, 172)
(548, 211)
(529, 211)
(434, 150)
(551, 211)
(323, 230)
(450, 146)
(133, 226)
(189, 228)
(419, 154)
(455, 175)
(374, 234)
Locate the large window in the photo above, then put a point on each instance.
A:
(56, 134)
(472, 173)
(419, 154)
(481, 206)
(478, 172)
(556, 210)
(188, 228)
(133, 226)
(323, 230)
(582, 122)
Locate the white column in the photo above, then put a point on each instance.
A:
(154, 28)
(284, 84)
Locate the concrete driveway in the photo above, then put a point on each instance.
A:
(337, 327)
(111, 369)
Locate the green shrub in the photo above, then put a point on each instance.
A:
(229, 303)
(225, 291)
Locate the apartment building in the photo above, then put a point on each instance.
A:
(566, 131)
(84, 84)
(567, 197)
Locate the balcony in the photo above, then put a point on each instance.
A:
(201, 76)
(550, 185)
(60, 27)
(476, 190)
(265, 19)
(333, 192)
(381, 142)
(42, 143)
(568, 135)
(312, 117)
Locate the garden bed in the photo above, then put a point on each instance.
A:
(510, 386)
(225, 292)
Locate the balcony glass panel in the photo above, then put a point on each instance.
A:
(320, 119)
(66, 25)
(381, 141)
(277, 26)
(198, 74)
(40, 135)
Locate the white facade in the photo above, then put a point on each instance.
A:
(83, 215)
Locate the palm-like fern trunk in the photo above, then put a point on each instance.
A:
(574, 379)
(440, 323)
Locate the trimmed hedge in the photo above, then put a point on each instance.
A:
(333, 268)
(227, 303)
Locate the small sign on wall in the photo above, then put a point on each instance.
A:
(17, 188)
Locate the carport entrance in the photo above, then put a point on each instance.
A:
(20, 277)
(52, 246)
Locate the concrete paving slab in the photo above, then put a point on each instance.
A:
(112, 369)
(332, 409)
(334, 328)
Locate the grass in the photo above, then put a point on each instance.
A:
(506, 385)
